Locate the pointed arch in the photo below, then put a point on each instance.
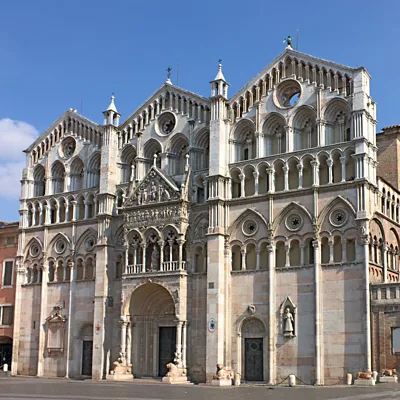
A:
(338, 201)
(246, 214)
(290, 208)
(90, 232)
(59, 235)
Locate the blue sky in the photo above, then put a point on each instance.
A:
(56, 53)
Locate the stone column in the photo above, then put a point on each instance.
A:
(178, 355)
(286, 177)
(180, 253)
(384, 263)
(129, 344)
(43, 316)
(20, 280)
(302, 250)
(344, 250)
(70, 317)
(331, 258)
(367, 316)
(329, 162)
(300, 171)
(343, 162)
(161, 244)
(287, 251)
(123, 336)
(271, 180)
(242, 182)
(271, 313)
(184, 344)
(319, 363)
(143, 246)
(258, 259)
(315, 165)
(255, 175)
(243, 252)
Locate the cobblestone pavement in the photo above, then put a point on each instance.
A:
(21, 388)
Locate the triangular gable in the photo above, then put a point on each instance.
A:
(306, 58)
(156, 95)
(61, 122)
(156, 187)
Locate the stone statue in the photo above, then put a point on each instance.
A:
(153, 192)
(155, 259)
(144, 197)
(174, 371)
(288, 323)
(223, 373)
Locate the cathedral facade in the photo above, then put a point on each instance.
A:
(244, 231)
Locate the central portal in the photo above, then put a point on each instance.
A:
(153, 321)
(166, 348)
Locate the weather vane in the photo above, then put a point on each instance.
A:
(220, 61)
(288, 41)
(169, 69)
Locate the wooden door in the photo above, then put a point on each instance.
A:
(253, 364)
(87, 357)
(166, 348)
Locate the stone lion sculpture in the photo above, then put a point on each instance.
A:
(364, 375)
(174, 371)
(223, 373)
(389, 372)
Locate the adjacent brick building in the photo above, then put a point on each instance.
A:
(8, 251)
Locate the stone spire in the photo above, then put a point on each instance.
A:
(219, 86)
(111, 115)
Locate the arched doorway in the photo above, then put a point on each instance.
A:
(253, 350)
(154, 330)
(5, 351)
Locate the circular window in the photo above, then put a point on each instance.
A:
(166, 123)
(68, 147)
(34, 250)
(250, 227)
(89, 244)
(60, 246)
(338, 217)
(294, 222)
(287, 94)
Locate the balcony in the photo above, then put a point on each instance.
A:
(165, 267)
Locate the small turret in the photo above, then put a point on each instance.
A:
(219, 86)
(111, 115)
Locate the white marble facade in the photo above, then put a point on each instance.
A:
(218, 230)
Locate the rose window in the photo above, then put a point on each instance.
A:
(338, 218)
(250, 227)
(294, 222)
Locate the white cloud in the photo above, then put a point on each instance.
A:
(10, 177)
(15, 136)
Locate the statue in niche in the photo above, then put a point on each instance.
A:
(288, 322)
(139, 198)
(155, 259)
(144, 196)
(153, 192)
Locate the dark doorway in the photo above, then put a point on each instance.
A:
(5, 354)
(87, 356)
(166, 348)
(253, 363)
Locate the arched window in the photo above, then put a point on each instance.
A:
(38, 181)
(76, 174)
(58, 176)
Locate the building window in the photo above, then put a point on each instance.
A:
(7, 273)
(6, 315)
(10, 240)
(396, 340)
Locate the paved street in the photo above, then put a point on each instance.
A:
(61, 389)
